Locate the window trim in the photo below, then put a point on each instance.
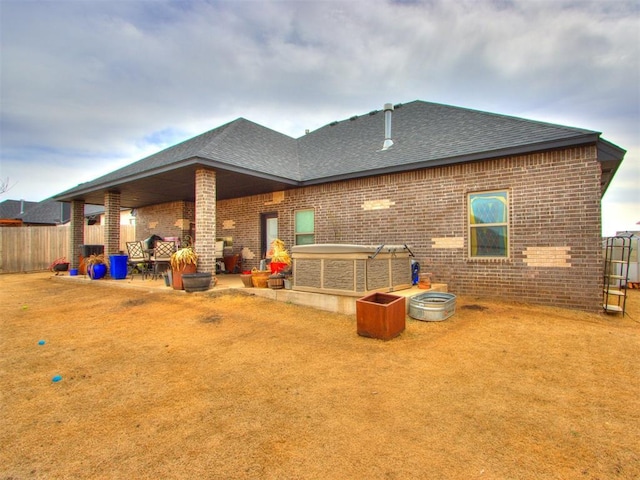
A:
(506, 224)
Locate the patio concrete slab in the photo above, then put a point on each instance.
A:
(321, 301)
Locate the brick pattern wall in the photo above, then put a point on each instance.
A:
(172, 219)
(112, 223)
(77, 232)
(554, 207)
(548, 256)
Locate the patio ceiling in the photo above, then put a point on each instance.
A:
(177, 184)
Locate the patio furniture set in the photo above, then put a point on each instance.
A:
(147, 262)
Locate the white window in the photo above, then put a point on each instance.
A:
(305, 227)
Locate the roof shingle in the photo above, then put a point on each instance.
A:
(424, 134)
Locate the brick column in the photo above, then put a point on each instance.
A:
(112, 223)
(206, 220)
(76, 232)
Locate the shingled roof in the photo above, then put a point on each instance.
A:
(250, 158)
(46, 212)
(14, 209)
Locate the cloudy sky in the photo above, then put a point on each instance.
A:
(88, 86)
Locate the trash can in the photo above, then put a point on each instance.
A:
(85, 252)
(118, 266)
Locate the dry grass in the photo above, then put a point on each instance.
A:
(168, 385)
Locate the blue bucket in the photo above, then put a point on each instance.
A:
(118, 266)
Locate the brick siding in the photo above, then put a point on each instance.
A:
(77, 232)
(172, 219)
(112, 223)
(554, 210)
(205, 218)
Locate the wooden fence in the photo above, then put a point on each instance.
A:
(30, 249)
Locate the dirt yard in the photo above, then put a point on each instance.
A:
(169, 385)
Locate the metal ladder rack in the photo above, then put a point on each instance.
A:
(616, 273)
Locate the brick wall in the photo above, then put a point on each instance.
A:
(112, 223)
(172, 219)
(205, 217)
(77, 232)
(554, 223)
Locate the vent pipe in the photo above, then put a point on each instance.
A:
(388, 109)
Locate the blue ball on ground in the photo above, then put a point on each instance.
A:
(41, 342)
(56, 378)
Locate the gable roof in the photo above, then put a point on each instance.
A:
(252, 159)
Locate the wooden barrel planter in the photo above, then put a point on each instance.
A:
(276, 281)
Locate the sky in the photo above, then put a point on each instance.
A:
(88, 86)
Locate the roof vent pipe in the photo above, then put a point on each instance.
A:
(388, 109)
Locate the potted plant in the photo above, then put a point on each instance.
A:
(96, 266)
(280, 258)
(183, 261)
(59, 265)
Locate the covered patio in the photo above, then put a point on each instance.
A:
(217, 165)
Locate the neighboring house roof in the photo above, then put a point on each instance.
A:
(93, 210)
(13, 209)
(251, 159)
(47, 212)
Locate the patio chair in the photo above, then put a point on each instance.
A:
(138, 261)
(162, 255)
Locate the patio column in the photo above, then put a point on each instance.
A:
(205, 243)
(76, 232)
(112, 223)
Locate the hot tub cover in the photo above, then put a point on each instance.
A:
(344, 248)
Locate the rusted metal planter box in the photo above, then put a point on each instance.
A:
(381, 315)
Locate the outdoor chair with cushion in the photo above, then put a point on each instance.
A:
(138, 261)
(162, 255)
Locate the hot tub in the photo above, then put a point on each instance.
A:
(351, 270)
